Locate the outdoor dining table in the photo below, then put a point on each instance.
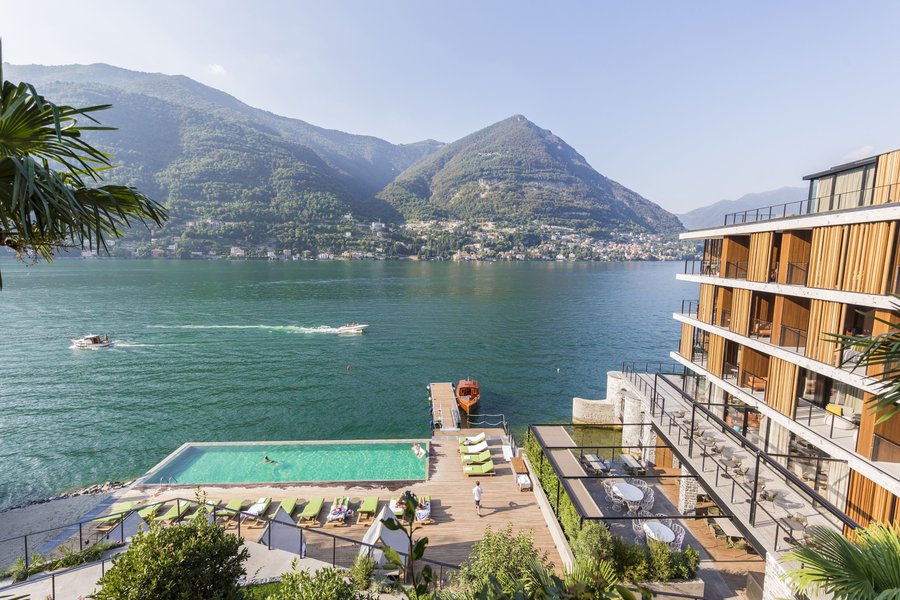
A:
(628, 492)
(657, 531)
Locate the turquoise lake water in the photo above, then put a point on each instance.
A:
(241, 351)
(292, 463)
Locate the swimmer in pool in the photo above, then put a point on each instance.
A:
(269, 460)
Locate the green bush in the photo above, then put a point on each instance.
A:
(361, 572)
(500, 554)
(69, 558)
(594, 540)
(325, 584)
(179, 562)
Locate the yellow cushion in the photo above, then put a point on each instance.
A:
(835, 408)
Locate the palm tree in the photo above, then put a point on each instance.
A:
(49, 176)
(866, 566)
(881, 350)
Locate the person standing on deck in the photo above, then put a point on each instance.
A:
(476, 492)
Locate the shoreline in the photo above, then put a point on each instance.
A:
(90, 490)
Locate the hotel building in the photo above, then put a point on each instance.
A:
(790, 438)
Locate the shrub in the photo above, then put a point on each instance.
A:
(325, 584)
(594, 540)
(500, 554)
(361, 572)
(192, 560)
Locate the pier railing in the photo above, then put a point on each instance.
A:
(337, 550)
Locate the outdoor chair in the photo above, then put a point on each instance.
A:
(676, 544)
(647, 502)
(618, 502)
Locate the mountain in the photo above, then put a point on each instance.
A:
(232, 174)
(714, 214)
(516, 172)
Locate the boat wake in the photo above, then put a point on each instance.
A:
(280, 328)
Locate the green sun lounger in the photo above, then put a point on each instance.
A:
(118, 512)
(310, 513)
(231, 510)
(476, 458)
(178, 510)
(149, 512)
(210, 507)
(480, 469)
(289, 505)
(367, 509)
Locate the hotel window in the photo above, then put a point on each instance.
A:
(847, 189)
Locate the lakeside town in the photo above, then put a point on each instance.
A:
(427, 240)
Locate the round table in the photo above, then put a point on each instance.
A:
(657, 531)
(628, 492)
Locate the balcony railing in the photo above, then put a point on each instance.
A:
(690, 307)
(816, 417)
(776, 211)
(729, 371)
(702, 267)
(760, 328)
(885, 450)
(736, 270)
(753, 382)
(797, 273)
(792, 337)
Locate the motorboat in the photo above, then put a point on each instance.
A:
(352, 328)
(92, 341)
(467, 394)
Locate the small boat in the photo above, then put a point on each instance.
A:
(92, 341)
(467, 394)
(352, 328)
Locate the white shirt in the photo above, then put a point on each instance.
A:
(476, 491)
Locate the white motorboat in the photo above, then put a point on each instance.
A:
(92, 341)
(352, 328)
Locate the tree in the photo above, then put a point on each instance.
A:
(49, 197)
(325, 583)
(179, 562)
(883, 351)
(865, 566)
(423, 579)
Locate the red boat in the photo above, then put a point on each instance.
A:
(467, 394)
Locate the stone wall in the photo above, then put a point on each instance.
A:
(594, 411)
(775, 587)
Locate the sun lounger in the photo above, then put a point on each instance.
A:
(367, 509)
(230, 511)
(210, 506)
(288, 505)
(310, 513)
(481, 469)
(256, 511)
(474, 449)
(340, 513)
(472, 439)
(118, 512)
(396, 506)
(149, 512)
(178, 510)
(423, 515)
(476, 458)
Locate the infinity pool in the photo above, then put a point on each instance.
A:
(300, 462)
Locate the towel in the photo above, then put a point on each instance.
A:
(258, 507)
(423, 514)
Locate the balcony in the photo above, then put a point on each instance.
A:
(884, 450)
(843, 431)
(690, 308)
(792, 338)
(761, 329)
(736, 270)
(766, 213)
(702, 267)
(797, 273)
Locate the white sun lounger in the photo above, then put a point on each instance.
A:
(475, 449)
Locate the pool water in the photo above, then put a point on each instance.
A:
(295, 462)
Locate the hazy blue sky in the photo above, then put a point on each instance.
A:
(684, 102)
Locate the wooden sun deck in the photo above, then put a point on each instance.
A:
(457, 526)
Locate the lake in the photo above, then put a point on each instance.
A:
(221, 350)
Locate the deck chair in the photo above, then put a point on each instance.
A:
(255, 512)
(148, 512)
(339, 513)
(310, 513)
(175, 513)
(118, 513)
(210, 506)
(288, 505)
(423, 515)
(472, 439)
(367, 509)
(486, 468)
(474, 449)
(231, 510)
(476, 458)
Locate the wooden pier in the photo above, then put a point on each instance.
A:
(445, 412)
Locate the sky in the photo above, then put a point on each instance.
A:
(686, 103)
